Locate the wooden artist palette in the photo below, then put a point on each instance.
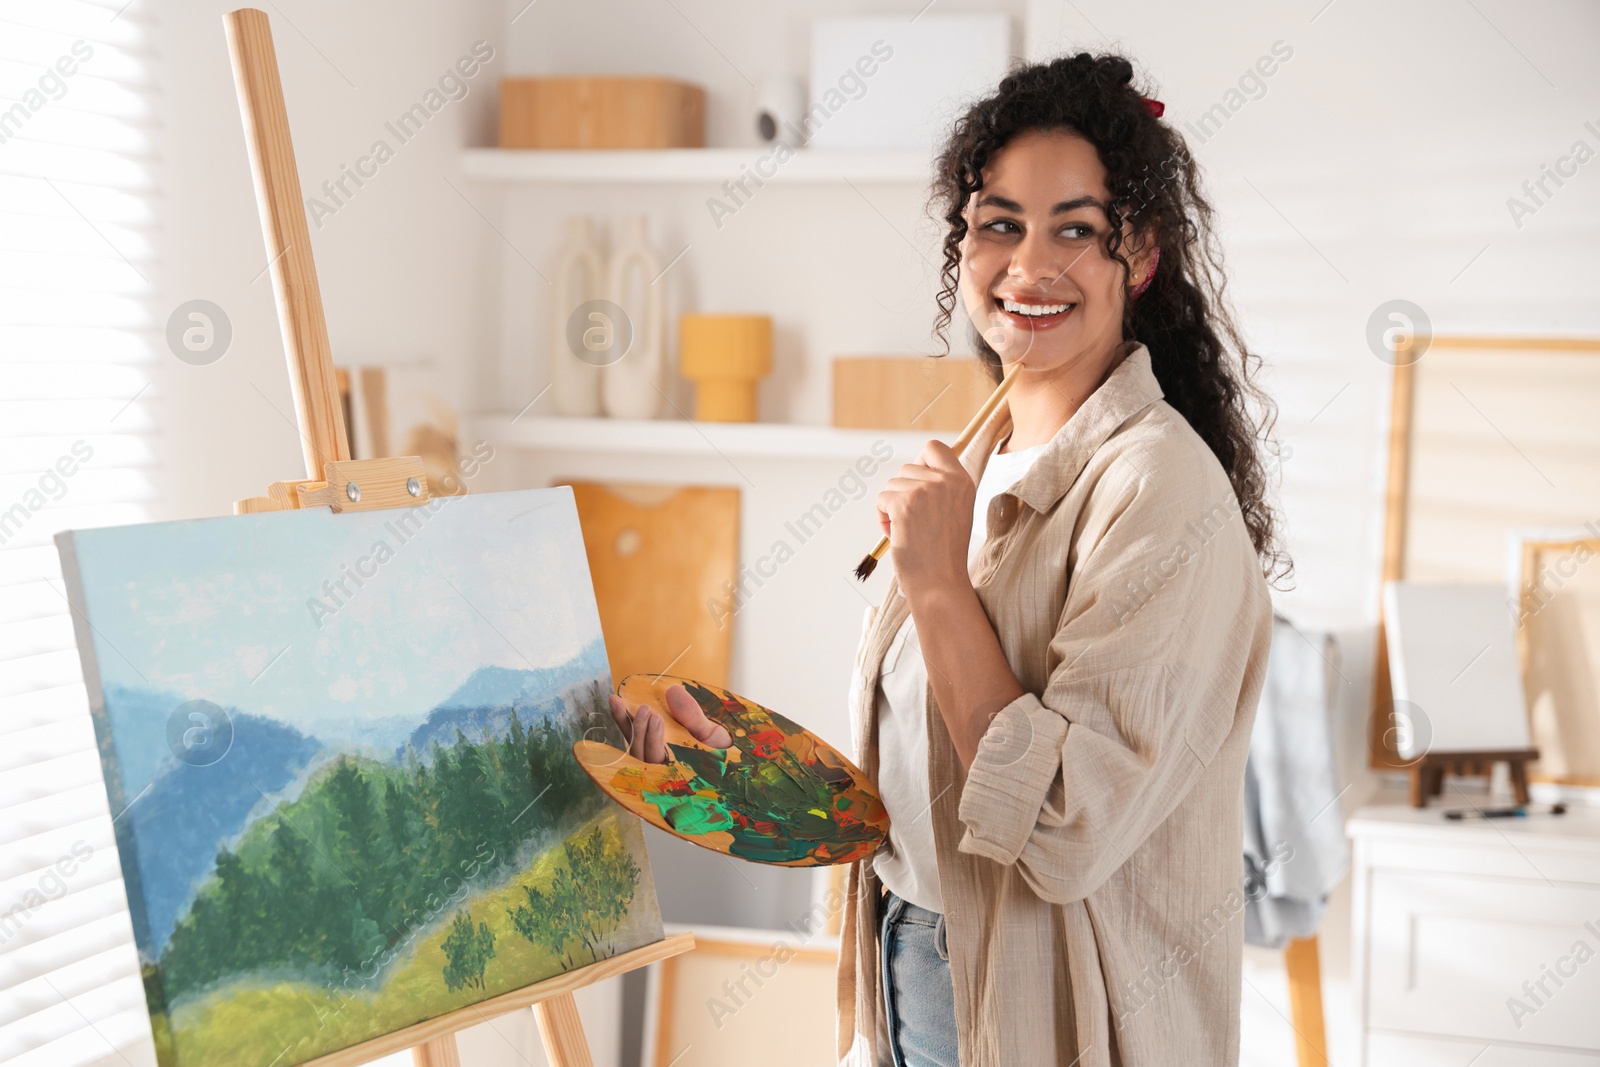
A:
(779, 795)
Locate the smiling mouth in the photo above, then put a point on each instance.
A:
(1034, 316)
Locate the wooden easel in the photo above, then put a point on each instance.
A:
(336, 481)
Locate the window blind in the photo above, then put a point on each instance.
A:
(79, 336)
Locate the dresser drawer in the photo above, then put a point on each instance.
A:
(1449, 955)
(1405, 1050)
(1502, 857)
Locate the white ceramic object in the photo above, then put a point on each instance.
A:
(579, 276)
(633, 386)
(780, 102)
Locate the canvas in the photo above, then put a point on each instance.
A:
(338, 751)
(1453, 668)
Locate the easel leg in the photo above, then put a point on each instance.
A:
(1305, 1001)
(440, 1052)
(562, 1032)
(1519, 780)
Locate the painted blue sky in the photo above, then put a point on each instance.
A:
(218, 608)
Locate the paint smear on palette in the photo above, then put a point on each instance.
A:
(779, 795)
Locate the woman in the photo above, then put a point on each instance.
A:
(1055, 697)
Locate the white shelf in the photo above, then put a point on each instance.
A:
(686, 165)
(679, 437)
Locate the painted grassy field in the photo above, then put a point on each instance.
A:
(289, 1022)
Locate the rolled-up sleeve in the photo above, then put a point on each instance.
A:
(1162, 610)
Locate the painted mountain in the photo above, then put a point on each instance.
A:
(487, 699)
(184, 812)
(339, 748)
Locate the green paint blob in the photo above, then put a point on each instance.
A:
(692, 814)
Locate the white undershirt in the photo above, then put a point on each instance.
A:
(905, 862)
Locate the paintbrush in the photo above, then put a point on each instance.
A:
(870, 561)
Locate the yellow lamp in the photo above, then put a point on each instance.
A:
(725, 356)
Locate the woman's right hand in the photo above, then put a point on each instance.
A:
(644, 728)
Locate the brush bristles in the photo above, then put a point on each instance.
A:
(865, 568)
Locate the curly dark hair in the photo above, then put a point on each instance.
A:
(1196, 350)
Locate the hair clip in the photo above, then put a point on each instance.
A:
(1152, 107)
(1155, 261)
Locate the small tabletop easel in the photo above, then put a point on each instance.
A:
(336, 481)
(1427, 773)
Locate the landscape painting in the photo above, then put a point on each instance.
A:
(338, 753)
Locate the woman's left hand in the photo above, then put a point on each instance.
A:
(926, 510)
(644, 727)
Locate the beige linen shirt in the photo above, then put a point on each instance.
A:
(1090, 860)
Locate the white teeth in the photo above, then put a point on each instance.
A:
(1034, 309)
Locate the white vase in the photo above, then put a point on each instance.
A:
(579, 277)
(634, 385)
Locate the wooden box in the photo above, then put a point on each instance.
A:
(907, 392)
(610, 112)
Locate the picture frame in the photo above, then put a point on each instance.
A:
(1558, 647)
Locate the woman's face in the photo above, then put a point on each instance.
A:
(1035, 276)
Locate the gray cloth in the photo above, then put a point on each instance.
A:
(1295, 850)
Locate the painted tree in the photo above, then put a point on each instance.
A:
(294, 919)
(550, 919)
(609, 876)
(558, 781)
(468, 809)
(468, 951)
(514, 759)
(361, 844)
(408, 864)
(585, 901)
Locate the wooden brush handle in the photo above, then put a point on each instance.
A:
(959, 445)
(961, 442)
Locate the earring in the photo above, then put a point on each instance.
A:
(1138, 290)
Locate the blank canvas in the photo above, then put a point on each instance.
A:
(1452, 660)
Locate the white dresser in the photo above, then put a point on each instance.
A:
(1450, 919)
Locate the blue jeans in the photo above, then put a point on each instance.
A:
(919, 1000)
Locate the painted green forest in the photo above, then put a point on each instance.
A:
(339, 884)
(270, 1021)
